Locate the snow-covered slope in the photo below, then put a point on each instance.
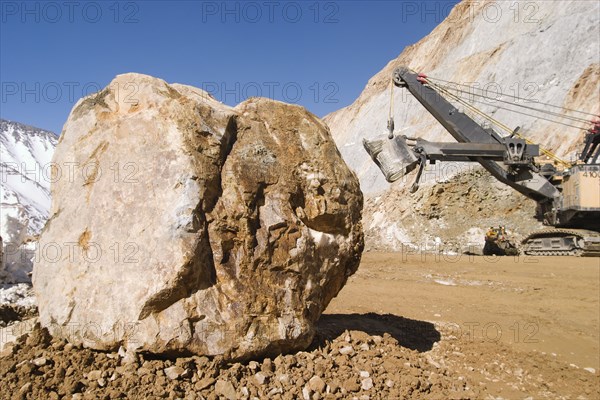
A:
(25, 175)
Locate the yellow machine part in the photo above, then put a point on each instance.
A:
(582, 190)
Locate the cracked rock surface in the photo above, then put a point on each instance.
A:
(180, 225)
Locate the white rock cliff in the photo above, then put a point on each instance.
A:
(539, 51)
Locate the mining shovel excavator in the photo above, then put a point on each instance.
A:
(568, 199)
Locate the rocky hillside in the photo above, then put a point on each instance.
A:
(25, 156)
(540, 52)
(446, 216)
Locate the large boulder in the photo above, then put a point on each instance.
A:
(182, 225)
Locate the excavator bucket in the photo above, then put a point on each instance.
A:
(393, 156)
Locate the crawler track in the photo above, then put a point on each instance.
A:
(563, 242)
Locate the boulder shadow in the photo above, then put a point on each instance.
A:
(410, 333)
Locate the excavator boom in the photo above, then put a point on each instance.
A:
(563, 202)
(465, 130)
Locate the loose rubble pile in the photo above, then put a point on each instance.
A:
(16, 303)
(449, 216)
(352, 365)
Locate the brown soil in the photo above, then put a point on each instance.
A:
(405, 326)
(525, 326)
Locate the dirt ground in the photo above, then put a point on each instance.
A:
(405, 326)
(518, 309)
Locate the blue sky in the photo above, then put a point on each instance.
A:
(319, 54)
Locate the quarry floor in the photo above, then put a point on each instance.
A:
(530, 313)
(406, 326)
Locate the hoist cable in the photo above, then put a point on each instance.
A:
(494, 121)
(577, 119)
(519, 98)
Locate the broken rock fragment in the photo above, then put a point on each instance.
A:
(187, 226)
